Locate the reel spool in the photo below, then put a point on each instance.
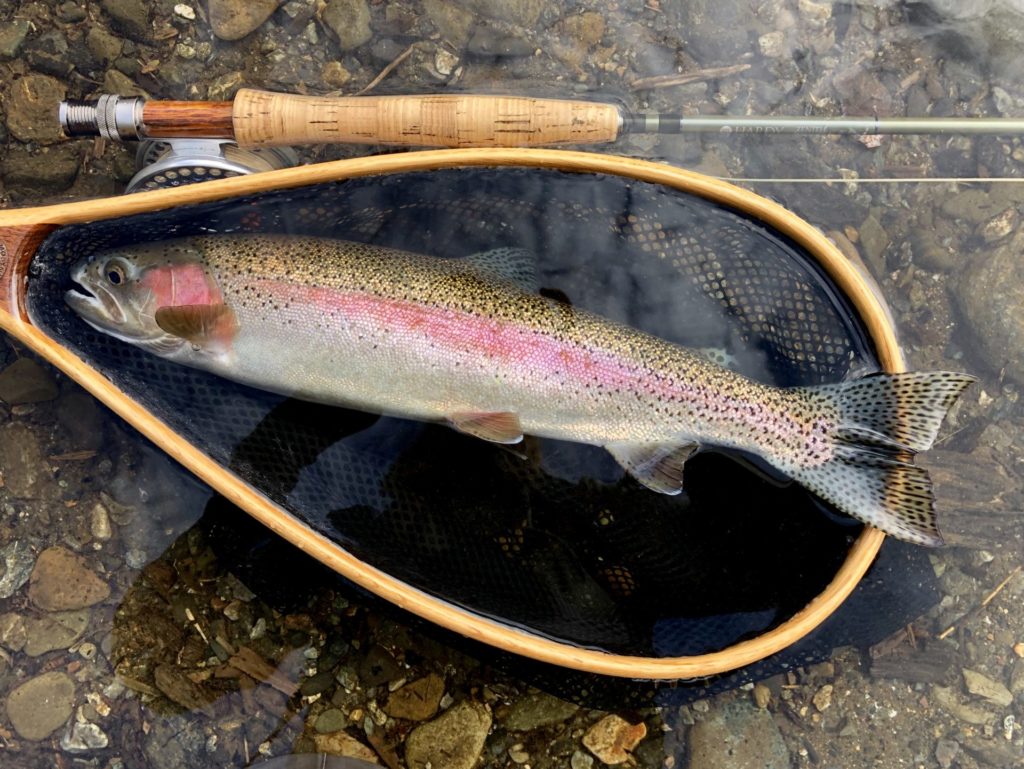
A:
(177, 162)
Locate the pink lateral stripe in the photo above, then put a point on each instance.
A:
(471, 335)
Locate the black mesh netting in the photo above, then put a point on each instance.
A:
(556, 542)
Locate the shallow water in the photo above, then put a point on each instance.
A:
(192, 637)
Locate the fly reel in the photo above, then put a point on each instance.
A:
(177, 162)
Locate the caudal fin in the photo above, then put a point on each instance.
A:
(882, 420)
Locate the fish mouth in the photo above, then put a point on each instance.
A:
(94, 304)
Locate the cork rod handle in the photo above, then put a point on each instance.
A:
(262, 118)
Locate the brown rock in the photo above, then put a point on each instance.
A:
(41, 705)
(22, 463)
(32, 109)
(25, 381)
(418, 700)
(612, 738)
(234, 19)
(453, 740)
(62, 580)
(343, 744)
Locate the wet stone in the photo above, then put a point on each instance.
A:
(1017, 678)
(321, 682)
(234, 19)
(41, 705)
(948, 700)
(418, 700)
(983, 686)
(26, 473)
(344, 744)
(991, 298)
(16, 561)
(131, 17)
(331, 720)
(103, 44)
(12, 37)
(350, 21)
(538, 710)
(613, 738)
(54, 631)
(945, 752)
(25, 381)
(12, 631)
(49, 53)
(51, 169)
(82, 737)
(62, 580)
(738, 736)
(453, 740)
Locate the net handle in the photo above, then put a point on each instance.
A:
(27, 226)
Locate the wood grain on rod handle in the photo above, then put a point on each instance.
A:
(262, 118)
(187, 119)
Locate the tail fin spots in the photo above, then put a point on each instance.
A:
(880, 420)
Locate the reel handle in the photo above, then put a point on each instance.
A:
(263, 118)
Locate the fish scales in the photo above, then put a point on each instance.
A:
(595, 369)
(463, 341)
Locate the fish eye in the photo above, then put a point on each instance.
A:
(115, 273)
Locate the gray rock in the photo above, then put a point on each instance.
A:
(234, 19)
(12, 37)
(716, 33)
(22, 462)
(48, 53)
(63, 581)
(83, 421)
(738, 736)
(488, 41)
(1017, 678)
(453, 740)
(25, 381)
(997, 754)
(51, 169)
(331, 720)
(525, 13)
(991, 299)
(41, 705)
(950, 702)
(131, 17)
(452, 21)
(31, 107)
(537, 710)
(54, 631)
(16, 562)
(983, 686)
(350, 21)
(945, 752)
(874, 240)
(71, 12)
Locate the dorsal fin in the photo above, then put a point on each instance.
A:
(516, 265)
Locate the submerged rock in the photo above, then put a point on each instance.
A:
(62, 580)
(417, 700)
(738, 736)
(16, 562)
(350, 21)
(25, 381)
(31, 107)
(41, 705)
(454, 740)
(234, 19)
(54, 631)
(991, 299)
(612, 739)
(536, 710)
(22, 463)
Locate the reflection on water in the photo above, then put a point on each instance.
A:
(193, 659)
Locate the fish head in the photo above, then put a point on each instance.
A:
(123, 290)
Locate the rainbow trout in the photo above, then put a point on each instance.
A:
(468, 342)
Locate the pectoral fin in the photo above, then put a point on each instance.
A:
(208, 326)
(497, 426)
(658, 466)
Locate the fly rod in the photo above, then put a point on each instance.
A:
(265, 119)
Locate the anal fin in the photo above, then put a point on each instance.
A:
(494, 426)
(658, 466)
